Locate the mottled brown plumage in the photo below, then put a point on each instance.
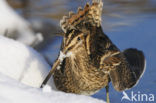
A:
(94, 60)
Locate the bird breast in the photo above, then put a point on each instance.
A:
(78, 75)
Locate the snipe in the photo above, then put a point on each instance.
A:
(88, 59)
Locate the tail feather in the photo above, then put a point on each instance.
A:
(90, 15)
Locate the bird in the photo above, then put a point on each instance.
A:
(89, 60)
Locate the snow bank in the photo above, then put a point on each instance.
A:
(10, 21)
(14, 92)
(22, 63)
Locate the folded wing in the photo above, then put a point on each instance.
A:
(128, 73)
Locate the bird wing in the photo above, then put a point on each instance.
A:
(128, 73)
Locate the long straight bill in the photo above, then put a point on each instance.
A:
(56, 64)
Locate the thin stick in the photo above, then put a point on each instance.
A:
(50, 73)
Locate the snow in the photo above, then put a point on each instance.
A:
(22, 69)
(12, 23)
(22, 62)
(62, 56)
(46, 88)
(15, 92)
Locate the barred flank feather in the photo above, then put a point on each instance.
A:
(125, 78)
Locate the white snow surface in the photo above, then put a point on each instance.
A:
(11, 22)
(15, 92)
(22, 69)
(22, 63)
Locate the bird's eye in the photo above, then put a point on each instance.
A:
(78, 39)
